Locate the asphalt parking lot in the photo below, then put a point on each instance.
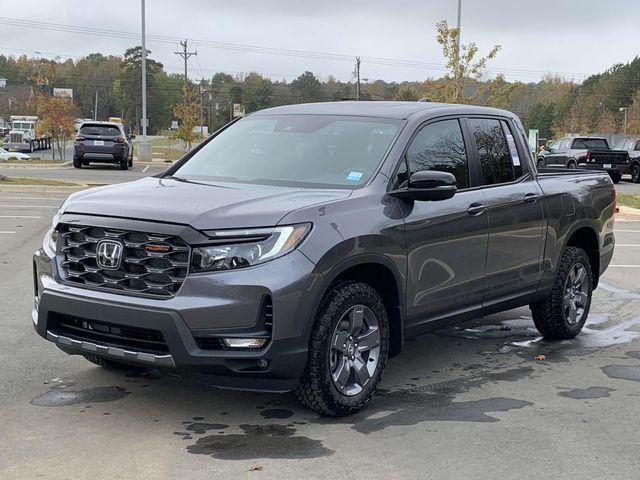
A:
(470, 402)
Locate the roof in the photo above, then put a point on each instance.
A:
(98, 122)
(399, 110)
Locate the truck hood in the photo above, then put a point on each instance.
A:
(202, 206)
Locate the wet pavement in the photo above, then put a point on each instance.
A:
(488, 399)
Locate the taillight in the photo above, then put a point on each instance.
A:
(118, 139)
(586, 157)
(79, 138)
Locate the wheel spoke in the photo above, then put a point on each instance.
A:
(573, 313)
(339, 339)
(357, 316)
(572, 276)
(341, 375)
(580, 276)
(369, 340)
(581, 299)
(362, 373)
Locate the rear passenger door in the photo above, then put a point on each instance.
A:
(446, 240)
(514, 209)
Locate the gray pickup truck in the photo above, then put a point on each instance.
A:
(589, 153)
(299, 247)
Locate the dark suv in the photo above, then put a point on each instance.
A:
(297, 248)
(103, 142)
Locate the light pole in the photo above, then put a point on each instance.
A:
(144, 148)
(624, 109)
(458, 25)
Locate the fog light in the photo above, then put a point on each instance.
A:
(244, 342)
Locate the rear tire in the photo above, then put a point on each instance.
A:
(616, 177)
(540, 163)
(572, 165)
(635, 173)
(563, 313)
(77, 162)
(123, 162)
(341, 374)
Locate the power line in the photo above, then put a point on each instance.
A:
(264, 50)
(185, 55)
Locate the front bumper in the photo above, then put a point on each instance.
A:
(209, 306)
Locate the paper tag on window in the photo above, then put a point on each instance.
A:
(513, 149)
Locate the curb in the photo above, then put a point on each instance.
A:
(43, 188)
(34, 165)
(628, 212)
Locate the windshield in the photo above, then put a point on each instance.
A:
(591, 143)
(21, 126)
(295, 150)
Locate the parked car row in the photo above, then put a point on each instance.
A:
(594, 153)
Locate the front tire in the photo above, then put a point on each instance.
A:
(348, 350)
(540, 163)
(563, 313)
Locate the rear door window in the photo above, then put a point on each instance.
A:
(440, 146)
(494, 154)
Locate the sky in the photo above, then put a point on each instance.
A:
(574, 38)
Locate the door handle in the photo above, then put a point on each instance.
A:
(475, 209)
(531, 197)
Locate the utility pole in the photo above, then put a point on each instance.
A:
(95, 107)
(624, 109)
(201, 107)
(144, 148)
(184, 54)
(358, 78)
(458, 25)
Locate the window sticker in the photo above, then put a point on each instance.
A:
(354, 176)
(513, 149)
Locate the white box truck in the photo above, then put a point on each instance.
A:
(23, 137)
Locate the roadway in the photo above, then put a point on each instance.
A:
(470, 402)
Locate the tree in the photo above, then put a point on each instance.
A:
(128, 87)
(56, 119)
(500, 92)
(407, 94)
(188, 115)
(307, 87)
(461, 63)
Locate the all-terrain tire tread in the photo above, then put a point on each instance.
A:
(548, 313)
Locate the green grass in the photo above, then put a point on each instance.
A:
(628, 200)
(32, 161)
(34, 181)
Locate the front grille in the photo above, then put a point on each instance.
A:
(108, 334)
(151, 265)
(15, 138)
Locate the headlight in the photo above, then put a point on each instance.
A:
(244, 248)
(52, 239)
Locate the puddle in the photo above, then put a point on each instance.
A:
(435, 403)
(200, 428)
(587, 393)
(623, 372)
(280, 413)
(260, 441)
(62, 398)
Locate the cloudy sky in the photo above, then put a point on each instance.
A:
(571, 37)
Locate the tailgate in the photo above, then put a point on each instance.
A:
(613, 157)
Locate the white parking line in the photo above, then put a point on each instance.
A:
(626, 245)
(145, 168)
(626, 231)
(19, 216)
(28, 206)
(625, 266)
(7, 232)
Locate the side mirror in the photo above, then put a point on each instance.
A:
(428, 185)
(132, 136)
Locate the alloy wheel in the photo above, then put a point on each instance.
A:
(355, 350)
(576, 294)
